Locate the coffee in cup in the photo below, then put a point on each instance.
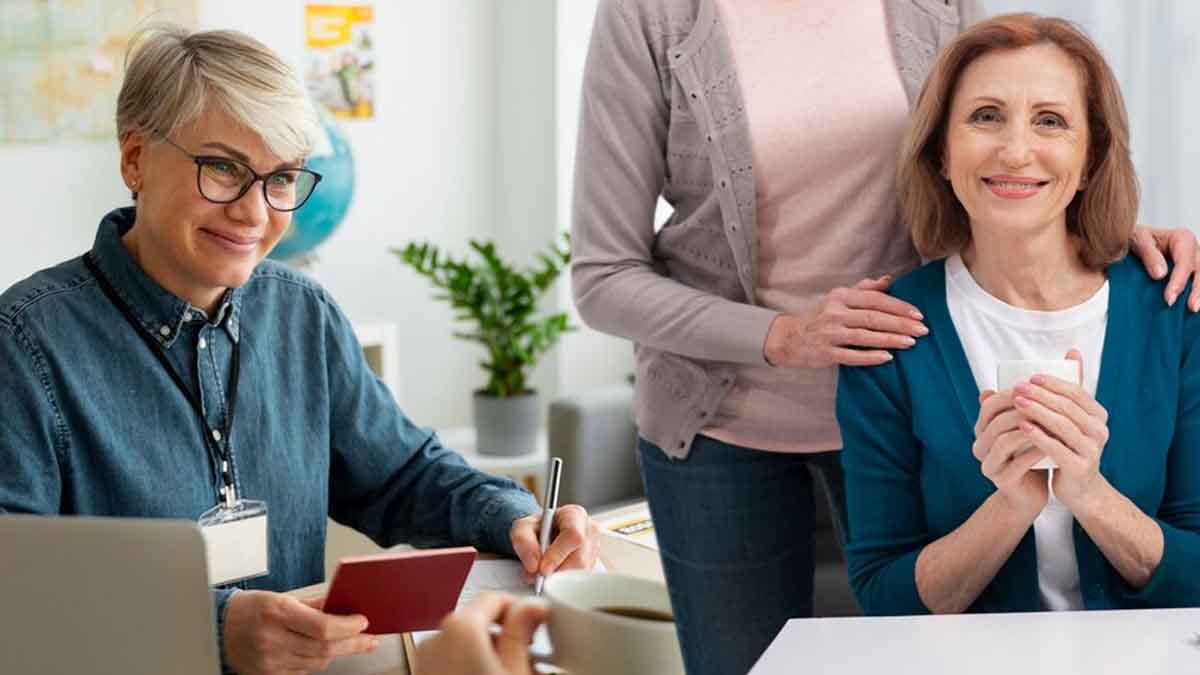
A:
(638, 613)
(601, 624)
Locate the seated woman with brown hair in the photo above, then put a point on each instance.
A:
(1016, 177)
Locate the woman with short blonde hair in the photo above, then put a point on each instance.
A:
(173, 372)
(172, 74)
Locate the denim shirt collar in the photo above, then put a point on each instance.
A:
(160, 312)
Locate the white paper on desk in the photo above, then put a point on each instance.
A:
(493, 575)
(635, 526)
(503, 576)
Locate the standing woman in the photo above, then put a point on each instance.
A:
(772, 129)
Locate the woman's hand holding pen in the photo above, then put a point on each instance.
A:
(574, 545)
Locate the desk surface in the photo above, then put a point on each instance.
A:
(389, 659)
(1147, 642)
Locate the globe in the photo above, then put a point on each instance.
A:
(314, 222)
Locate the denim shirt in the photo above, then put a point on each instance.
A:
(92, 424)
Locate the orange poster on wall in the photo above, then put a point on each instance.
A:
(341, 56)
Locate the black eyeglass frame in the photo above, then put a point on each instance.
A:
(201, 160)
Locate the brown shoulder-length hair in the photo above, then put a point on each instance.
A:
(1102, 215)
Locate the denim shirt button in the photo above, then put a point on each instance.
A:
(165, 331)
(216, 434)
(203, 343)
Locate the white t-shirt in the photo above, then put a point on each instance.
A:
(992, 330)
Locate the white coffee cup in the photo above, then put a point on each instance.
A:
(587, 641)
(1013, 372)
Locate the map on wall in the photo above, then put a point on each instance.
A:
(61, 63)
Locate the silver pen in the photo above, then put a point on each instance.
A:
(548, 507)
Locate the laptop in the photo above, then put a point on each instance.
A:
(104, 595)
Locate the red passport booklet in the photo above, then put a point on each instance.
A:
(400, 592)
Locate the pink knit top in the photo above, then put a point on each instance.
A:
(827, 110)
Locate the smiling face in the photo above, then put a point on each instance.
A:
(192, 247)
(1017, 139)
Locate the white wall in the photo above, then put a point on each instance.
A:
(54, 196)
(462, 146)
(589, 358)
(524, 176)
(1151, 47)
(423, 173)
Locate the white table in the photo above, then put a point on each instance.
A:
(1144, 642)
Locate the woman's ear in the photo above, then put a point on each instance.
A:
(132, 160)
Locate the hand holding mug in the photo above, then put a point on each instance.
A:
(1007, 455)
(1064, 422)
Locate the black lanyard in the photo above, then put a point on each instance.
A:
(211, 435)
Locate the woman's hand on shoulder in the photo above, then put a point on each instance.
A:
(851, 326)
(1150, 244)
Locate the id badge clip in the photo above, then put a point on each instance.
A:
(235, 539)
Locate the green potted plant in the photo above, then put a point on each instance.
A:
(499, 302)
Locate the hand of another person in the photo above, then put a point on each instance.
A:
(1007, 455)
(1063, 421)
(268, 633)
(1149, 244)
(466, 644)
(851, 326)
(575, 541)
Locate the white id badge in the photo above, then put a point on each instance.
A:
(235, 540)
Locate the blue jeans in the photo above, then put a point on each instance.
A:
(735, 532)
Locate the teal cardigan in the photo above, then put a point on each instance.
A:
(908, 425)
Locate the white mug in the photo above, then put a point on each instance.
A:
(587, 641)
(1011, 373)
